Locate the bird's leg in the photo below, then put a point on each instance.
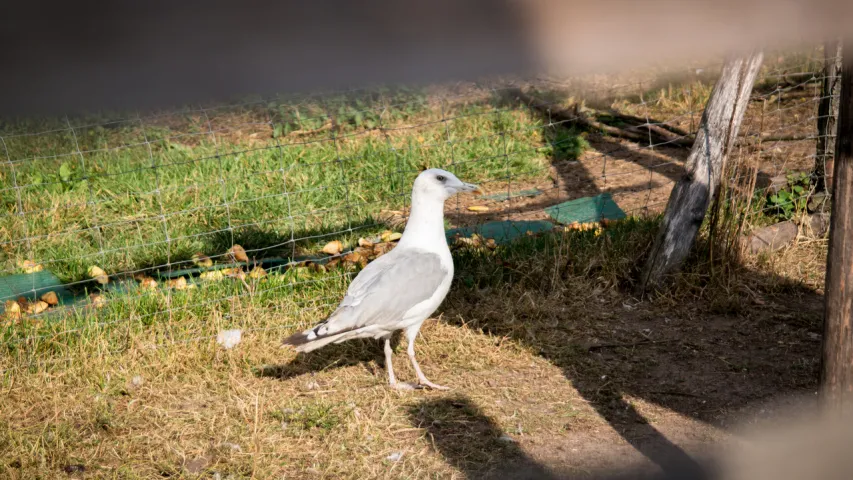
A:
(392, 380)
(422, 380)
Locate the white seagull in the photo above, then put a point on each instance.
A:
(401, 289)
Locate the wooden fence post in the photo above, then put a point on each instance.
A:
(837, 356)
(827, 115)
(693, 193)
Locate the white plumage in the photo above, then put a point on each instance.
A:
(401, 289)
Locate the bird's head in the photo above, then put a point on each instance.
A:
(442, 184)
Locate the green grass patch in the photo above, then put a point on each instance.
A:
(320, 417)
(130, 196)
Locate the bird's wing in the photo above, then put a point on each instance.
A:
(385, 290)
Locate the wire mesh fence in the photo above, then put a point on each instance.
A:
(253, 215)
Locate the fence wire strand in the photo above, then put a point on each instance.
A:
(140, 195)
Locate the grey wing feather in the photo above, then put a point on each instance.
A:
(386, 289)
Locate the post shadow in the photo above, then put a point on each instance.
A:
(472, 442)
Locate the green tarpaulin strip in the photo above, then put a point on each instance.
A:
(587, 209)
(266, 264)
(32, 286)
(502, 232)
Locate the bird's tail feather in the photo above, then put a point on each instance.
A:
(302, 344)
(298, 338)
(317, 337)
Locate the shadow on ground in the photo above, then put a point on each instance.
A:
(474, 444)
(709, 354)
(470, 440)
(576, 174)
(365, 352)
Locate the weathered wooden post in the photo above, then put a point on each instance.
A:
(693, 193)
(827, 115)
(837, 357)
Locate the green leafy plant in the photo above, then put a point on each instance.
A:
(567, 145)
(790, 199)
(68, 179)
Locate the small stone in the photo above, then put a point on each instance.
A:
(98, 300)
(819, 203)
(212, 276)
(355, 258)
(229, 338)
(232, 272)
(771, 238)
(395, 457)
(147, 283)
(37, 307)
(819, 224)
(197, 465)
(50, 298)
(137, 381)
(231, 447)
(179, 283)
(13, 306)
(73, 468)
(202, 260)
(333, 263)
(382, 248)
(238, 254)
(333, 248)
(29, 266)
(257, 273)
(98, 274)
(775, 184)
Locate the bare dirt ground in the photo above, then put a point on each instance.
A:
(777, 137)
(639, 179)
(658, 386)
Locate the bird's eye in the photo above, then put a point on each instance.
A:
(441, 178)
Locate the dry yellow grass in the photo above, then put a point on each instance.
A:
(559, 368)
(148, 413)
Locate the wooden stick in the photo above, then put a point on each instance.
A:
(693, 193)
(573, 116)
(640, 121)
(827, 115)
(837, 357)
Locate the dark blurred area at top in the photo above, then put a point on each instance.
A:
(66, 57)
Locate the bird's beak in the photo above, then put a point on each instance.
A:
(470, 187)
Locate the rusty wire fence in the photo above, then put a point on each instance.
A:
(251, 216)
